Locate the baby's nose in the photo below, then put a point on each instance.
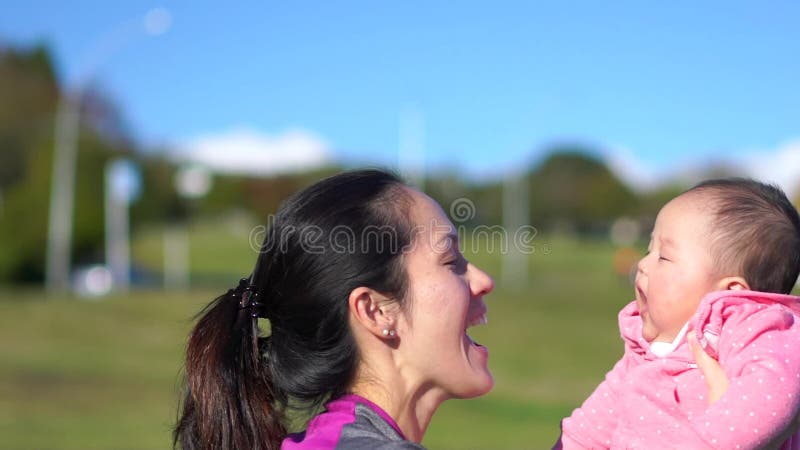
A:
(640, 267)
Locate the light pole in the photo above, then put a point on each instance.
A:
(62, 189)
(123, 185)
(515, 216)
(192, 182)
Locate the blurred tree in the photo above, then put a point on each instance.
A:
(159, 200)
(28, 96)
(488, 198)
(262, 196)
(445, 187)
(449, 186)
(94, 152)
(227, 194)
(28, 100)
(23, 224)
(651, 202)
(574, 188)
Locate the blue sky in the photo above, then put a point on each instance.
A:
(656, 88)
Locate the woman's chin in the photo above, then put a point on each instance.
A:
(475, 379)
(479, 388)
(480, 383)
(488, 384)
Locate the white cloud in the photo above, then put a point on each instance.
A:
(247, 151)
(631, 169)
(780, 166)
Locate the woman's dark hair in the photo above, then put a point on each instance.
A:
(341, 233)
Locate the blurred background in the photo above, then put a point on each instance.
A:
(141, 145)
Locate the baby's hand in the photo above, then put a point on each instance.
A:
(715, 377)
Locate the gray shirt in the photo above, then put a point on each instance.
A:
(350, 422)
(371, 432)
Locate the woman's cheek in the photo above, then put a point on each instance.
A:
(436, 295)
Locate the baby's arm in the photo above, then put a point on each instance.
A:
(760, 354)
(587, 427)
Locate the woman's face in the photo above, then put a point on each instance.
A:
(445, 297)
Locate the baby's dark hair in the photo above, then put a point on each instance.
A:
(755, 232)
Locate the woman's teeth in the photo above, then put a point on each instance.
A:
(478, 320)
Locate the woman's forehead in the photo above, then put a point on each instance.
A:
(430, 223)
(425, 210)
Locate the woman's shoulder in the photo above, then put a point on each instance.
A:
(351, 423)
(366, 443)
(373, 429)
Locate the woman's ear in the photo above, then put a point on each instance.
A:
(374, 311)
(733, 284)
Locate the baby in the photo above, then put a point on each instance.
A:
(722, 258)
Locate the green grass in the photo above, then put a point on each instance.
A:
(105, 374)
(78, 374)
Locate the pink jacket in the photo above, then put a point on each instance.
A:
(653, 402)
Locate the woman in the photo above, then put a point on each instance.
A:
(368, 301)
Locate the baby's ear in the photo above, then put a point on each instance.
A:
(733, 284)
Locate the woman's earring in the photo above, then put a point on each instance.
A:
(388, 332)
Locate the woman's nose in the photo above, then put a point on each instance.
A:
(480, 283)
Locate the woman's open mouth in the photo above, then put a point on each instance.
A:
(477, 319)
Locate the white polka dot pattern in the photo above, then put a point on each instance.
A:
(649, 402)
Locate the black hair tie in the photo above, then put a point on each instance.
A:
(247, 296)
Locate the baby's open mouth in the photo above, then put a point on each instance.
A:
(640, 294)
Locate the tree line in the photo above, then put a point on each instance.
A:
(568, 189)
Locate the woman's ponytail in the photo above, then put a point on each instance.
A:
(239, 384)
(230, 401)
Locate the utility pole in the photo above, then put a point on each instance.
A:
(62, 188)
(515, 215)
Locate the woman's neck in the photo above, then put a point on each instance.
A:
(412, 407)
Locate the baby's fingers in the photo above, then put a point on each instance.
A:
(715, 377)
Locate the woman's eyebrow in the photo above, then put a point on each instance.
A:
(453, 237)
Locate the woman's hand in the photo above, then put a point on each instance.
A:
(715, 377)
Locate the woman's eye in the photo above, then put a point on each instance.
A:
(661, 258)
(457, 265)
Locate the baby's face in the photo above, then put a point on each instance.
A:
(678, 269)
